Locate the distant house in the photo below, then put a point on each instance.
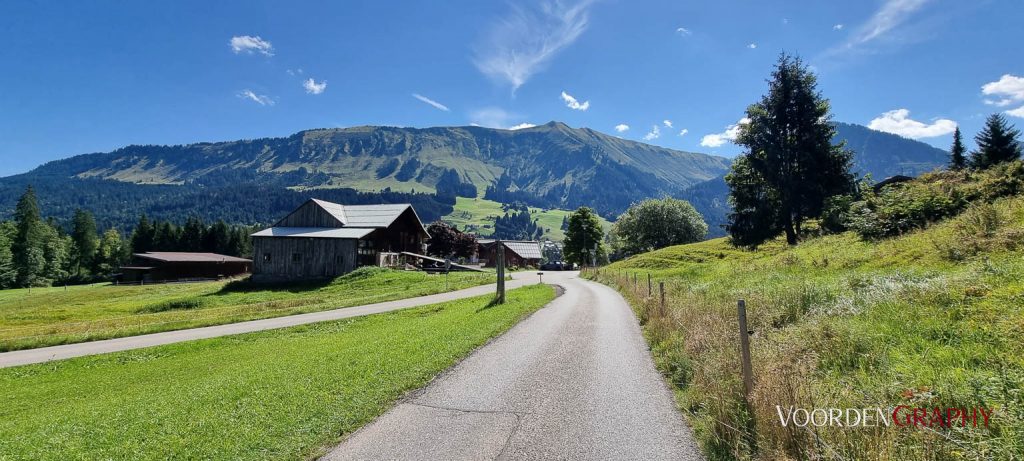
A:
(518, 253)
(164, 266)
(322, 239)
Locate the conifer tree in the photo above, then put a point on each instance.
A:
(27, 248)
(957, 153)
(998, 142)
(86, 242)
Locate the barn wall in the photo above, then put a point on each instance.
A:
(318, 258)
(309, 215)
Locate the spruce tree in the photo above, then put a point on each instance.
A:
(27, 248)
(957, 154)
(86, 242)
(998, 142)
(790, 166)
(143, 236)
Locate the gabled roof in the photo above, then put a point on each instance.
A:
(525, 250)
(186, 257)
(319, 232)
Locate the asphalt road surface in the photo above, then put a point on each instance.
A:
(66, 351)
(573, 381)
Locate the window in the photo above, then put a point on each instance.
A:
(266, 257)
(296, 257)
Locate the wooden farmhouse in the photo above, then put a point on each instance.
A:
(322, 240)
(518, 253)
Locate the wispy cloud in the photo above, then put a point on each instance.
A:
(496, 117)
(312, 87)
(684, 31)
(838, 27)
(573, 104)
(427, 100)
(890, 15)
(622, 128)
(729, 135)
(667, 123)
(683, 132)
(899, 122)
(521, 126)
(655, 133)
(523, 42)
(1018, 112)
(752, 46)
(260, 99)
(250, 44)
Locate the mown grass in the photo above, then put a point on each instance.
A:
(50, 316)
(933, 318)
(280, 394)
(477, 215)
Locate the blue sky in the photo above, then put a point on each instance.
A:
(90, 76)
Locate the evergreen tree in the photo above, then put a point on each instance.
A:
(83, 234)
(143, 236)
(8, 274)
(583, 235)
(998, 142)
(27, 248)
(192, 235)
(790, 166)
(217, 238)
(166, 237)
(957, 154)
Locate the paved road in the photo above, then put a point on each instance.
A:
(45, 354)
(572, 381)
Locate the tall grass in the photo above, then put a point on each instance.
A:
(843, 323)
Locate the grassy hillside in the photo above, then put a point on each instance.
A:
(477, 215)
(279, 394)
(49, 316)
(932, 318)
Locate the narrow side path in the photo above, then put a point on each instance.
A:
(574, 381)
(66, 351)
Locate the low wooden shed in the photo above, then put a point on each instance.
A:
(165, 266)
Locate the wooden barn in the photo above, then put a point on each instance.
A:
(322, 240)
(167, 266)
(518, 253)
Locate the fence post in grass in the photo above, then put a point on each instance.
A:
(748, 374)
(634, 282)
(661, 289)
(650, 291)
(500, 267)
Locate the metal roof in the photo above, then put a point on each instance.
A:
(364, 215)
(525, 250)
(317, 232)
(181, 257)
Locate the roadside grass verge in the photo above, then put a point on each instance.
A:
(280, 394)
(933, 318)
(51, 316)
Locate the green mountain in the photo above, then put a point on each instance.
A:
(876, 153)
(548, 166)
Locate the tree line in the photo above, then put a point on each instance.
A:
(41, 252)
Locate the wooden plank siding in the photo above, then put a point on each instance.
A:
(309, 215)
(274, 258)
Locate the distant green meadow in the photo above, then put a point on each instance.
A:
(49, 316)
(280, 394)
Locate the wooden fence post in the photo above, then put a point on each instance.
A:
(500, 266)
(650, 291)
(661, 288)
(748, 374)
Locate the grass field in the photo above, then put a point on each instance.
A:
(934, 318)
(280, 394)
(49, 316)
(477, 215)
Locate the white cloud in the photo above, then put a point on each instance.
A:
(655, 133)
(250, 45)
(752, 46)
(427, 100)
(573, 104)
(521, 126)
(838, 27)
(1018, 112)
(622, 128)
(312, 87)
(899, 122)
(683, 132)
(298, 71)
(1008, 89)
(729, 135)
(260, 99)
(496, 117)
(667, 123)
(521, 43)
(891, 14)
(684, 31)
